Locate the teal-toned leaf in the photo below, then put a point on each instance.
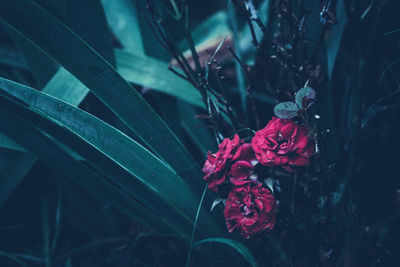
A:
(241, 89)
(11, 58)
(7, 143)
(211, 31)
(70, 90)
(239, 247)
(122, 17)
(305, 97)
(153, 73)
(59, 42)
(23, 132)
(246, 41)
(139, 69)
(88, 20)
(13, 165)
(201, 136)
(39, 64)
(150, 172)
(65, 86)
(49, 34)
(286, 110)
(335, 36)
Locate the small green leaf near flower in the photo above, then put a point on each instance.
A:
(305, 97)
(286, 110)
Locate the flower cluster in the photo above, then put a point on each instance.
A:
(283, 143)
(231, 172)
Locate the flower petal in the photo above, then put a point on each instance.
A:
(241, 169)
(301, 139)
(299, 161)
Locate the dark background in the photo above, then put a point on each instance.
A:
(348, 199)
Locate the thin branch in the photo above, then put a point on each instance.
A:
(249, 22)
(293, 193)
(171, 68)
(246, 70)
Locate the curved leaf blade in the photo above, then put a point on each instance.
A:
(13, 165)
(153, 73)
(151, 172)
(123, 20)
(23, 132)
(59, 42)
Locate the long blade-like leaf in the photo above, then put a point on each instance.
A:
(335, 37)
(13, 165)
(7, 143)
(86, 18)
(49, 34)
(123, 20)
(44, 147)
(150, 171)
(153, 73)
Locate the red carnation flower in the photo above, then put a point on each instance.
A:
(215, 166)
(250, 208)
(243, 168)
(234, 161)
(283, 143)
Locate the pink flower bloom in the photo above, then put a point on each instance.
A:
(250, 208)
(283, 143)
(234, 162)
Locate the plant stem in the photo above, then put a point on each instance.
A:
(293, 192)
(194, 227)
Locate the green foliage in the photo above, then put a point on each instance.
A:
(286, 110)
(152, 173)
(94, 112)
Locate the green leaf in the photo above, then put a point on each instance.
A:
(72, 91)
(123, 19)
(59, 42)
(305, 97)
(37, 62)
(65, 86)
(286, 110)
(335, 36)
(239, 247)
(88, 20)
(7, 143)
(201, 136)
(13, 165)
(153, 73)
(211, 31)
(11, 58)
(23, 132)
(135, 68)
(150, 172)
